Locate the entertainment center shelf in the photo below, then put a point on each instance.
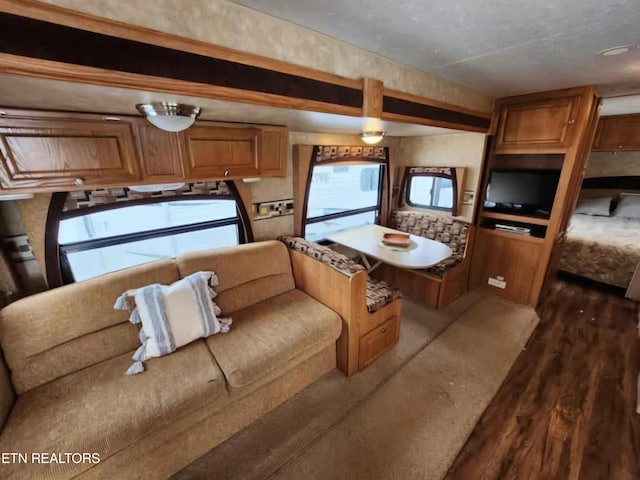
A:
(533, 167)
(514, 236)
(515, 218)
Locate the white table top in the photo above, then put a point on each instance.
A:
(422, 253)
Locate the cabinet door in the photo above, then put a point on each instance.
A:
(273, 160)
(508, 258)
(218, 152)
(48, 154)
(378, 341)
(534, 125)
(159, 154)
(618, 133)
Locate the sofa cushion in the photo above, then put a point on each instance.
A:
(54, 333)
(247, 273)
(275, 334)
(100, 410)
(447, 230)
(379, 294)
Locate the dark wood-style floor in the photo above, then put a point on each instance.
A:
(567, 408)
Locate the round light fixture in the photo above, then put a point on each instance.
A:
(619, 50)
(169, 116)
(371, 138)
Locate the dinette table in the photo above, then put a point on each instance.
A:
(367, 241)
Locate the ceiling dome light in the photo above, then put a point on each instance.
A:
(169, 116)
(371, 138)
(619, 50)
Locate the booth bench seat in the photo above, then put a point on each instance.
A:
(370, 308)
(439, 285)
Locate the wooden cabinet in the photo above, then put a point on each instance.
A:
(378, 341)
(273, 161)
(54, 151)
(619, 132)
(221, 152)
(58, 154)
(508, 258)
(160, 155)
(532, 126)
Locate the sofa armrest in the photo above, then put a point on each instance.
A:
(7, 393)
(344, 294)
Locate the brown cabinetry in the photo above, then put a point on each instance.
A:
(531, 126)
(550, 130)
(46, 153)
(160, 156)
(378, 341)
(507, 260)
(49, 151)
(619, 132)
(221, 152)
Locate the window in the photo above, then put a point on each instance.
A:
(429, 191)
(109, 240)
(341, 197)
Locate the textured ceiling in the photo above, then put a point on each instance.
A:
(501, 47)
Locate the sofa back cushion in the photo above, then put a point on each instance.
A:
(447, 230)
(54, 333)
(247, 274)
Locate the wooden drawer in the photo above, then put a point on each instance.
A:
(378, 341)
(373, 320)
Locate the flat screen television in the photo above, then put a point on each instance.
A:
(522, 192)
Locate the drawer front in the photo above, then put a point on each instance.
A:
(378, 341)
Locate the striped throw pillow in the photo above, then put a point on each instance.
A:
(173, 315)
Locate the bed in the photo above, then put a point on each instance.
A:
(605, 249)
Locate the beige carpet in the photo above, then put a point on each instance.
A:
(406, 415)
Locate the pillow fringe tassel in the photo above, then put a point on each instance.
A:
(135, 369)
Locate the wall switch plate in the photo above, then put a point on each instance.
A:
(497, 282)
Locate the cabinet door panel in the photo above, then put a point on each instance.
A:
(49, 153)
(547, 124)
(618, 133)
(273, 161)
(515, 260)
(377, 342)
(218, 152)
(159, 154)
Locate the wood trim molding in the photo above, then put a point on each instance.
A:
(71, 18)
(612, 183)
(404, 107)
(372, 98)
(26, 38)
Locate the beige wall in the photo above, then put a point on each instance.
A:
(224, 23)
(455, 150)
(608, 164)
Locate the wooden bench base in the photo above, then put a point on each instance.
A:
(426, 288)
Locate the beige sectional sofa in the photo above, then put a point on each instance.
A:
(63, 389)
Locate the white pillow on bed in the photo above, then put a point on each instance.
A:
(600, 206)
(628, 206)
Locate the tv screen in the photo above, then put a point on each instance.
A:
(525, 192)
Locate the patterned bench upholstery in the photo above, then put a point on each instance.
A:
(379, 293)
(447, 230)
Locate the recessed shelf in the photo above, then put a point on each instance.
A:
(515, 218)
(514, 236)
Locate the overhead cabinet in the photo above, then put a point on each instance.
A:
(619, 132)
(215, 152)
(534, 126)
(44, 152)
(66, 153)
